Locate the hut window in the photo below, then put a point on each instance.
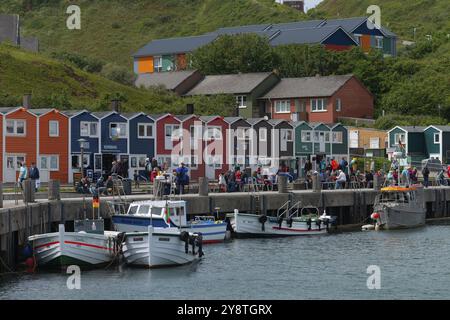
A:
(88, 129)
(241, 101)
(145, 130)
(263, 134)
(53, 128)
(437, 139)
(15, 127)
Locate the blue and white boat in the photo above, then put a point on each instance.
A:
(168, 214)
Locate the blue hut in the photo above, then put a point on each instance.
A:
(82, 125)
(113, 140)
(141, 141)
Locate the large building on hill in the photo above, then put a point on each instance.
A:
(168, 55)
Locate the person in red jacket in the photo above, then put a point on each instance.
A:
(334, 164)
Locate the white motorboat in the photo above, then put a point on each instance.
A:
(290, 221)
(168, 214)
(88, 246)
(161, 247)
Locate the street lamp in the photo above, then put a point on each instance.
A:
(83, 145)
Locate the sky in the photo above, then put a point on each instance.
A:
(311, 4)
(308, 3)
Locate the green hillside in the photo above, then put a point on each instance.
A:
(427, 16)
(111, 30)
(61, 85)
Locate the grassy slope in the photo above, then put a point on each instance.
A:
(112, 30)
(400, 16)
(48, 79)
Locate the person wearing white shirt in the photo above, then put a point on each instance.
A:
(341, 180)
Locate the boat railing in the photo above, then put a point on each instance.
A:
(284, 209)
(295, 210)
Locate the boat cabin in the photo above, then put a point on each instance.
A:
(175, 210)
(398, 195)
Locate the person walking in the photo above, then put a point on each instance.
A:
(34, 175)
(23, 174)
(341, 180)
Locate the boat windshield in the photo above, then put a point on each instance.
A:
(133, 210)
(143, 209)
(400, 197)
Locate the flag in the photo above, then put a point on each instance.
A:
(168, 215)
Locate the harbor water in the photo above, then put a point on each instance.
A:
(413, 264)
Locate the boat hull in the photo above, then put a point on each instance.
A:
(161, 248)
(62, 248)
(211, 232)
(392, 218)
(247, 225)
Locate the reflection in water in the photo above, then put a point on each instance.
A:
(413, 263)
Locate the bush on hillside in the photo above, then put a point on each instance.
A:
(85, 63)
(118, 74)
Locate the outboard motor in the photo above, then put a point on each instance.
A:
(199, 243)
(309, 224)
(184, 236)
(280, 221)
(289, 222)
(263, 219)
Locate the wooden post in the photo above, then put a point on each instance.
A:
(317, 186)
(54, 190)
(203, 188)
(28, 190)
(282, 184)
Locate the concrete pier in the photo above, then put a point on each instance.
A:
(350, 206)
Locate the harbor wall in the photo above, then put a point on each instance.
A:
(352, 207)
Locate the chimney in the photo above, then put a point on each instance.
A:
(115, 105)
(190, 108)
(26, 103)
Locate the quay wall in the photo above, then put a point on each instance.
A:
(17, 222)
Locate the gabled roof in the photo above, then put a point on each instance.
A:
(6, 111)
(132, 115)
(208, 119)
(174, 45)
(254, 121)
(350, 24)
(169, 80)
(229, 84)
(276, 122)
(104, 114)
(74, 113)
(297, 25)
(243, 29)
(440, 127)
(295, 124)
(159, 116)
(306, 35)
(307, 87)
(232, 120)
(409, 128)
(184, 117)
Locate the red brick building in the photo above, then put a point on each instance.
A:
(319, 99)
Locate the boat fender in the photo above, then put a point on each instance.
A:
(184, 236)
(319, 224)
(27, 251)
(309, 223)
(289, 222)
(263, 219)
(280, 221)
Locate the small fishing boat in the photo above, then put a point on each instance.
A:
(161, 247)
(398, 207)
(290, 221)
(89, 245)
(168, 214)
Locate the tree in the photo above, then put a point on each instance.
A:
(236, 53)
